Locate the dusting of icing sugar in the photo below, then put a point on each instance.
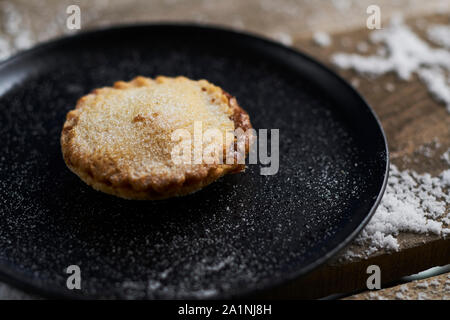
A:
(5, 49)
(322, 39)
(439, 34)
(390, 87)
(399, 295)
(283, 37)
(412, 203)
(434, 283)
(422, 296)
(422, 285)
(437, 83)
(17, 33)
(446, 156)
(445, 177)
(403, 288)
(406, 54)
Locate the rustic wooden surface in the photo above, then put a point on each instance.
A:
(410, 117)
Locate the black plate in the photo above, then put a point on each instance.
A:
(241, 234)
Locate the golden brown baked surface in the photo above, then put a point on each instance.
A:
(120, 139)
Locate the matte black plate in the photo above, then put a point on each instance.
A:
(242, 234)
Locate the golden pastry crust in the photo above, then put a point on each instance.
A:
(119, 139)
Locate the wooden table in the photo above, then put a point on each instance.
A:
(410, 117)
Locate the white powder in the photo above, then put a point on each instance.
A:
(220, 265)
(355, 82)
(5, 48)
(18, 35)
(283, 37)
(437, 84)
(412, 203)
(422, 296)
(439, 34)
(374, 295)
(426, 150)
(390, 87)
(422, 285)
(12, 19)
(153, 285)
(399, 295)
(435, 283)
(322, 39)
(446, 156)
(406, 54)
(445, 178)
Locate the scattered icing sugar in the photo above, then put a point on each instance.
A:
(23, 40)
(399, 295)
(429, 149)
(422, 285)
(355, 82)
(422, 296)
(437, 84)
(374, 295)
(446, 156)
(322, 39)
(445, 177)
(435, 283)
(283, 37)
(439, 34)
(17, 34)
(5, 48)
(390, 87)
(12, 19)
(406, 54)
(412, 203)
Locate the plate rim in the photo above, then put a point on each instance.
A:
(22, 281)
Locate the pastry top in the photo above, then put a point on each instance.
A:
(122, 137)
